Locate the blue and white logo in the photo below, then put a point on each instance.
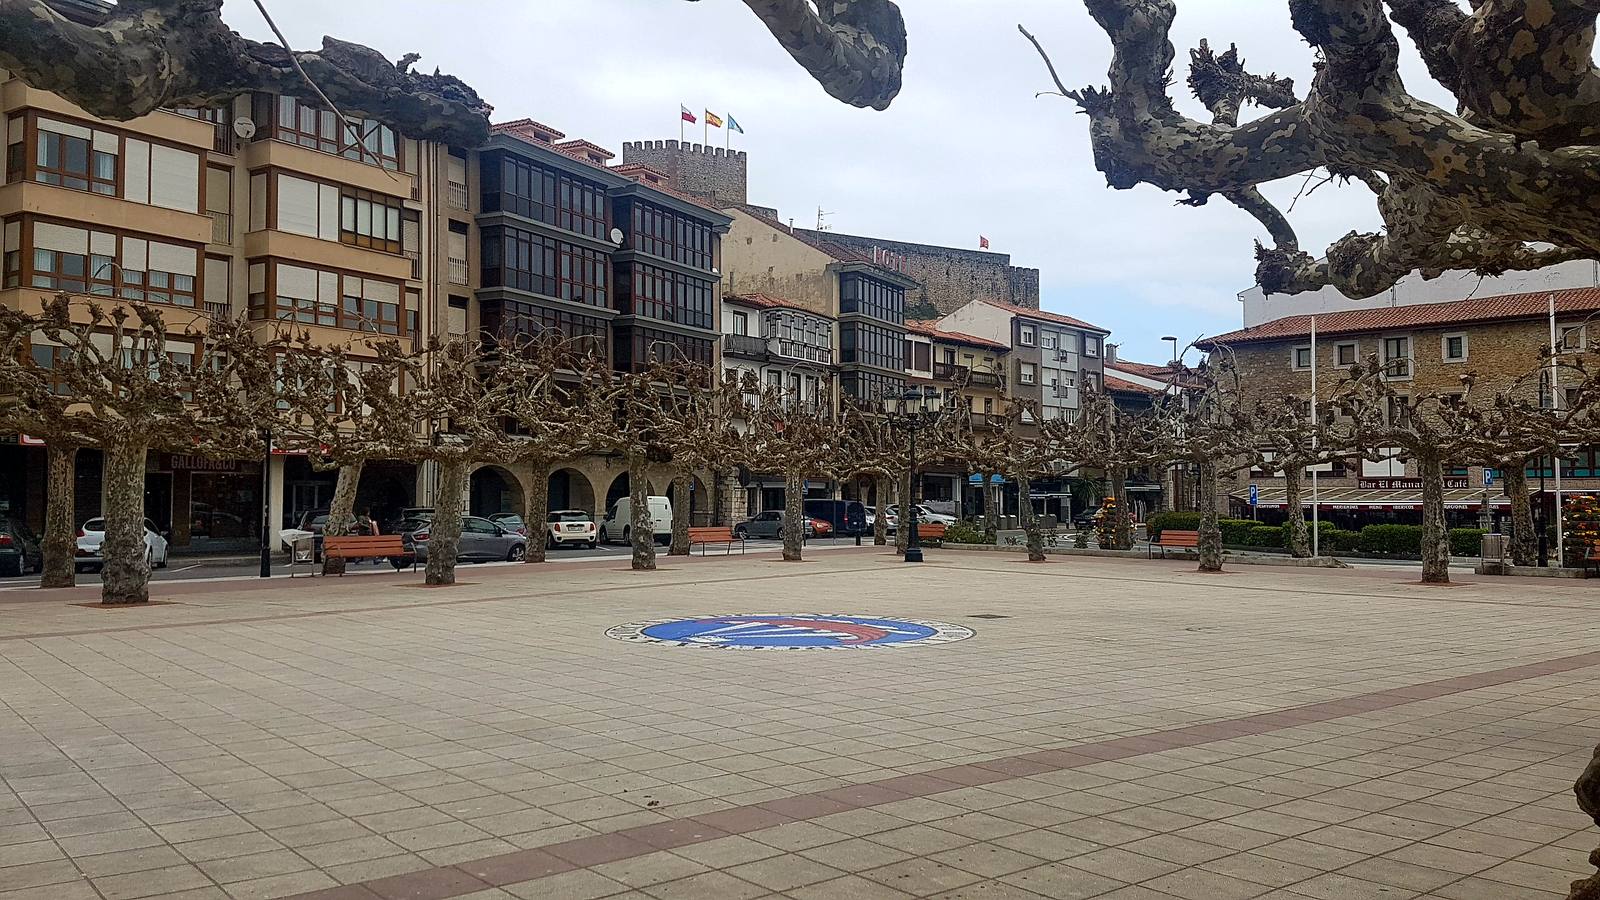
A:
(790, 631)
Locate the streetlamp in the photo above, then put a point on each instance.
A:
(912, 411)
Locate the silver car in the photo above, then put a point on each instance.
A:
(481, 541)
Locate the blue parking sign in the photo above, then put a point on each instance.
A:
(1255, 495)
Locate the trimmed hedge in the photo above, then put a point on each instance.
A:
(965, 533)
(1176, 521)
(1466, 541)
(1267, 536)
(1237, 531)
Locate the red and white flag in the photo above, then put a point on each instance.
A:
(983, 242)
(688, 116)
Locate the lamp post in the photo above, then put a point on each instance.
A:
(1544, 538)
(266, 506)
(911, 412)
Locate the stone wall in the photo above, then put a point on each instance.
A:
(951, 277)
(707, 173)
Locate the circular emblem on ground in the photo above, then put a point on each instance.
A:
(791, 631)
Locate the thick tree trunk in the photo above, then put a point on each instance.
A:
(444, 533)
(641, 527)
(680, 514)
(342, 512)
(1121, 527)
(60, 530)
(991, 508)
(125, 572)
(1524, 541)
(537, 514)
(794, 516)
(1210, 548)
(1030, 521)
(880, 524)
(1299, 537)
(1435, 533)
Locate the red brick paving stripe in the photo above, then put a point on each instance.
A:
(465, 878)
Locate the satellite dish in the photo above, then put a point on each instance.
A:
(616, 235)
(244, 127)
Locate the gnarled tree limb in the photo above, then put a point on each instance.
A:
(153, 54)
(855, 49)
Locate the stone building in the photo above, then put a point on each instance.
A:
(712, 174)
(947, 277)
(1428, 347)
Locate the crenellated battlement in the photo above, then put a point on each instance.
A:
(716, 175)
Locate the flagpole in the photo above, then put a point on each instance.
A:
(705, 130)
(1316, 499)
(680, 128)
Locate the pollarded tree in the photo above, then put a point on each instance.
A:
(1207, 428)
(801, 439)
(1291, 437)
(343, 409)
(1024, 451)
(1508, 181)
(133, 388)
(870, 449)
(699, 418)
(1114, 441)
(465, 397)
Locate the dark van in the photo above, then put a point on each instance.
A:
(846, 516)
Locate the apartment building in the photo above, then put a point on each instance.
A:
(783, 346)
(1052, 358)
(1426, 349)
(267, 207)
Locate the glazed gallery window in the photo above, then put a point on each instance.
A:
(671, 236)
(100, 263)
(296, 121)
(860, 295)
(75, 156)
(871, 345)
(370, 220)
(293, 293)
(525, 188)
(514, 320)
(525, 261)
(670, 297)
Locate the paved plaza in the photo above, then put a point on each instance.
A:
(1114, 729)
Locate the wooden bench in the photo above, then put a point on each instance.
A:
(1175, 540)
(717, 534)
(931, 532)
(369, 546)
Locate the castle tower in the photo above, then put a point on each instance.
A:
(711, 174)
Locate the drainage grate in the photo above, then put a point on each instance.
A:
(988, 616)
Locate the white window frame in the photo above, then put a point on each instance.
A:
(1027, 336)
(1091, 346)
(1410, 357)
(1048, 341)
(1355, 357)
(1444, 347)
(1294, 358)
(1027, 373)
(740, 319)
(1563, 329)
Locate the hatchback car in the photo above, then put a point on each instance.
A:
(19, 549)
(571, 526)
(769, 524)
(925, 515)
(481, 540)
(510, 522)
(93, 534)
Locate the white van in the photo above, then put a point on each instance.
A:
(618, 524)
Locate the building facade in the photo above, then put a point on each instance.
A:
(1426, 348)
(1053, 357)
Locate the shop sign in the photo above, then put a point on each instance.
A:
(1407, 484)
(204, 464)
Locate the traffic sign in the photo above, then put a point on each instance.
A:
(1488, 478)
(1255, 495)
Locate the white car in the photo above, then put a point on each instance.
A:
(93, 534)
(926, 516)
(890, 522)
(618, 523)
(571, 526)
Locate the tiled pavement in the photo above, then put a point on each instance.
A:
(1132, 731)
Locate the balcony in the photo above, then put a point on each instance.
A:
(744, 345)
(456, 270)
(416, 264)
(455, 194)
(943, 371)
(220, 312)
(805, 352)
(986, 378)
(221, 227)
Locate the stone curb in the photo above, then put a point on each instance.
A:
(1322, 562)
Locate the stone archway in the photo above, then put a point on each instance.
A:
(570, 488)
(495, 489)
(617, 489)
(702, 504)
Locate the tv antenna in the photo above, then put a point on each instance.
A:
(820, 216)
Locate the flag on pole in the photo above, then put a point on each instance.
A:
(983, 242)
(733, 124)
(712, 119)
(688, 116)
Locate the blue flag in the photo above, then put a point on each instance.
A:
(733, 124)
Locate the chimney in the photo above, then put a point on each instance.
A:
(1111, 354)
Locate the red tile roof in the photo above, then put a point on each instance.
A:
(579, 145)
(1424, 315)
(1113, 383)
(1138, 368)
(524, 127)
(930, 328)
(768, 301)
(1044, 316)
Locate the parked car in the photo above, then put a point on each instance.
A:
(409, 514)
(93, 534)
(19, 549)
(846, 516)
(481, 540)
(571, 526)
(618, 524)
(510, 521)
(769, 524)
(926, 515)
(891, 524)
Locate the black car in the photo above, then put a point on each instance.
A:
(19, 549)
(846, 516)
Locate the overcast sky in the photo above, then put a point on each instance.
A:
(965, 150)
